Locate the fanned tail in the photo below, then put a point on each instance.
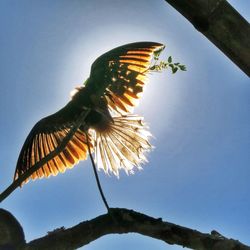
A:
(122, 145)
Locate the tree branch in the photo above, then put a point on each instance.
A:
(129, 221)
(11, 232)
(222, 25)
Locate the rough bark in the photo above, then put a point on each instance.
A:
(120, 221)
(222, 25)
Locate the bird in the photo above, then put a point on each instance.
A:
(118, 138)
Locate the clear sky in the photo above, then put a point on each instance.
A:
(198, 173)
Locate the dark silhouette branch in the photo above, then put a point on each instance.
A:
(47, 158)
(222, 25)
(11, 232)
(129, 222)
(96, 175)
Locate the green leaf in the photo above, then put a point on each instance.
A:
(174, 70)
(157, 54)
(153, 67)
(159, 65)
(182, 67)
(163, 64)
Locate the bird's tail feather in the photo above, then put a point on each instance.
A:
(122, 145)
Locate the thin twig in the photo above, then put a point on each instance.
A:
(96, 175)
(47, 158)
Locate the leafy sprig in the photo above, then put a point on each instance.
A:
(159, 66)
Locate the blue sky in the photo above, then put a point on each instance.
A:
(198, 173)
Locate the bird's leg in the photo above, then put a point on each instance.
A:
(96, 175)
(99, 184)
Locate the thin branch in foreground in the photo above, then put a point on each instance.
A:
(47, 158)
(217, 20)
(96, 174)
(131, 221)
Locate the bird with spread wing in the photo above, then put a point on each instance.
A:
(118, 138)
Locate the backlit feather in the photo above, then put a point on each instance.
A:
(122, 145)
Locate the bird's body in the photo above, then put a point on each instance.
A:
(118, 138)
(99, 116)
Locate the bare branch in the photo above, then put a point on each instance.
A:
(222, 25)
(96, 175)
(131, 221)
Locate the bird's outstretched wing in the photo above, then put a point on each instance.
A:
(118, 77)
(121, 73)
(45, 136)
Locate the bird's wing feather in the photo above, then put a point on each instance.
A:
(45, 137)
(122, 72)
(118, 76)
